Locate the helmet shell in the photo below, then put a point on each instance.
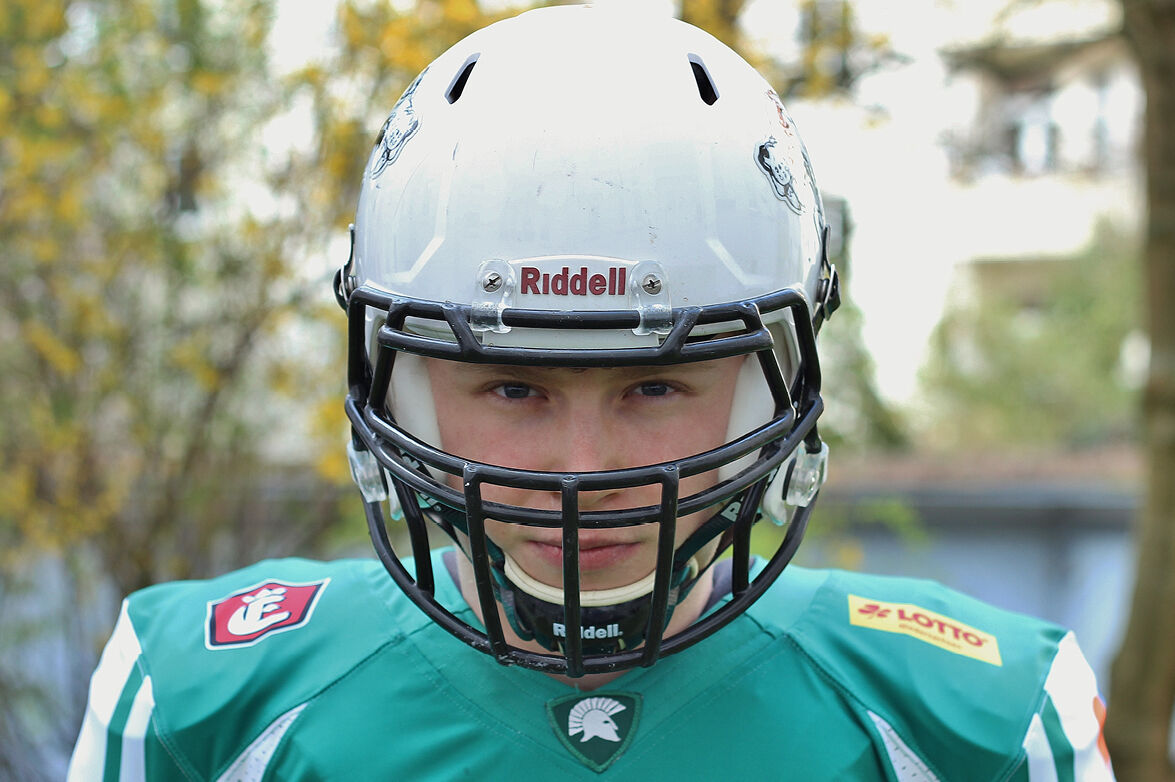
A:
(535, 143)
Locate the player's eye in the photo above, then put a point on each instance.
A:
(654, 388)
(514, 390)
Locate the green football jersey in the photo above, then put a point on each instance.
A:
(300, 670)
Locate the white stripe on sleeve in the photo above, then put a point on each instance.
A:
(1041, 767)
(1073, 690)
(134, 761)
(106, 685)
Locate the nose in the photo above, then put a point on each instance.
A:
(589, 440)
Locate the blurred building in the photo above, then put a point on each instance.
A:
(1047, 536)
(1043, 148)
(1037, 114)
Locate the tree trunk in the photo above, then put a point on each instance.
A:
(1142, 695)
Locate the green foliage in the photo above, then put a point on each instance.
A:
(1040, 362)
(137, 285)
(164, 342)
(170, 352)
(856, 417)
(835, 52)
(832, 537)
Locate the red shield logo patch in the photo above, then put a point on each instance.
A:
(245, 617)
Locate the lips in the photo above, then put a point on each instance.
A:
(588, 538)
(596, 551)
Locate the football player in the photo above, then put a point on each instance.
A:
(588, 268)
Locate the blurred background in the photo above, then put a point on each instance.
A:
(176, 181)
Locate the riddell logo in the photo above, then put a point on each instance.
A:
(917, 622)
(580, 283)
(590, 632)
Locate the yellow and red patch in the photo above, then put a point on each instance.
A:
(925, 625)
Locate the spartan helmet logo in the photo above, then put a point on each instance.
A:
(593, 718)
(780, 175)
(400, 125)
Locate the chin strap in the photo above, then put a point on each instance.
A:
(591, 598)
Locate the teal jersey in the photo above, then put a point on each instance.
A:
(299, 670)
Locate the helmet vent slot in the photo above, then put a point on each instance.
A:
(458, 85)
(706, 89)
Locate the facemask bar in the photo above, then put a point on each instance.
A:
(378, 430)
(742, 598)
(573, 653)
(674, 350)
(377, 433)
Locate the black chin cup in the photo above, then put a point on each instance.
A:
(602, 629)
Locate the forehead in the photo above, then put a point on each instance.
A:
(695, 370)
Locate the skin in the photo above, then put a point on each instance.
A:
(560, 419)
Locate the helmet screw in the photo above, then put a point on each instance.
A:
(651, 284)
(492, 281)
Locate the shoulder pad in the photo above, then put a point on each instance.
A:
(229, 655)
(957, 680)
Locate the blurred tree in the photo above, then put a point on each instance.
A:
(164, 370)
(832, 51)
(1027, 359)
(720, 19)
(136, 286)
(135, 292)
(1142, 693)
(153, 230)
(857, 416)
(835, 51)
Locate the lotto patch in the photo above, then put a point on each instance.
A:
(934, 629)
(595, 727)
(249, 615)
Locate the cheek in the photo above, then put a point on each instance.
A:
(481, 437)
(701, 429)
(499, 448)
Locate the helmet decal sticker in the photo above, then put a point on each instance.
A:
(400, 126)
(779, 174)
(789, 130)
(785, 120)
(248, 615)
(596, 728)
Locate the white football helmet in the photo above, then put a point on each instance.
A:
(587, 186)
